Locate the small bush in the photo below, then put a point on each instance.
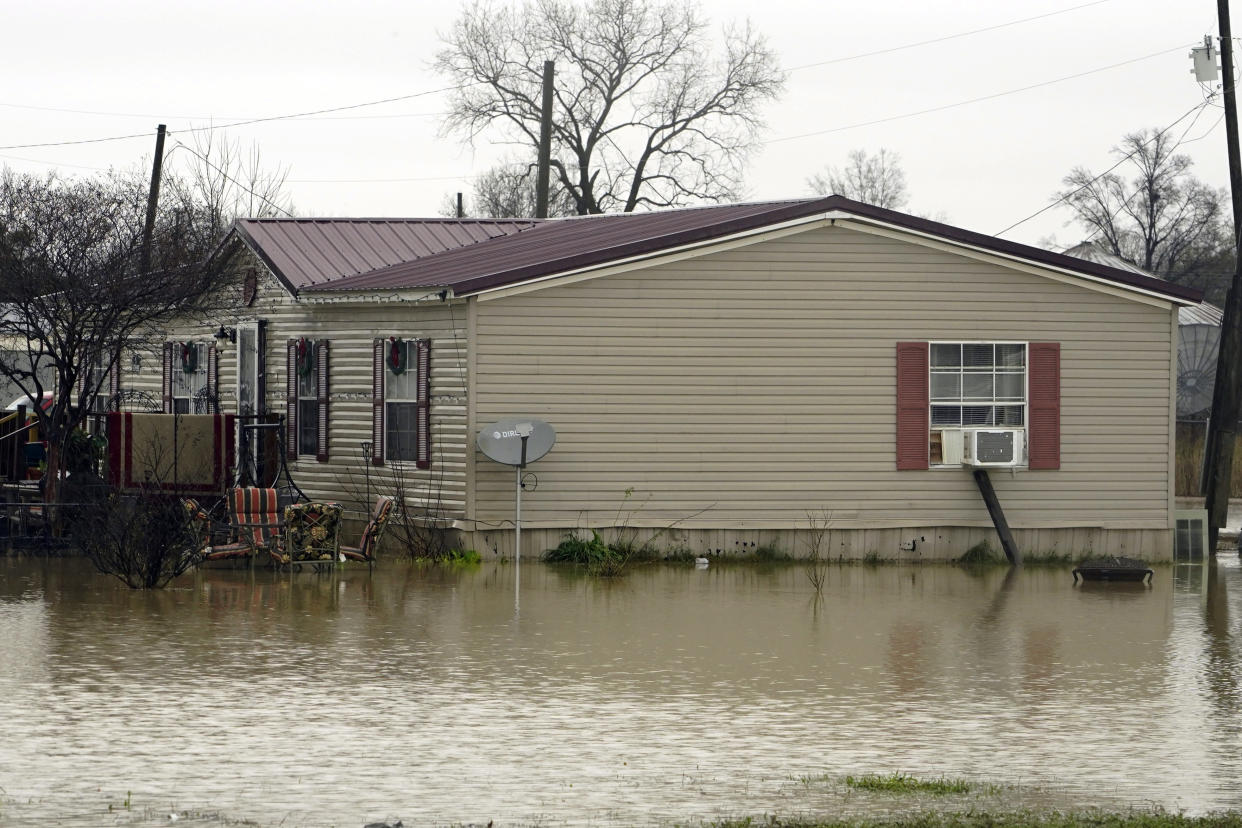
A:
(980, 553)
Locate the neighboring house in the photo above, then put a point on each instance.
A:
(725, 377)
(1198, 340)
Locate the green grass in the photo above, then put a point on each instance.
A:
(901, 783)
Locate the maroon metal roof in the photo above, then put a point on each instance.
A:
(546, 248)
(314, 251)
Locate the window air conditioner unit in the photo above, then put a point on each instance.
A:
(994, 448)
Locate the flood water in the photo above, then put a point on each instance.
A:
(540, 696)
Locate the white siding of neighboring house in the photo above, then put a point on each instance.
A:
(351, 330)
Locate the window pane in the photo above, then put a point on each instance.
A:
(308, 427)
(1011, 356)
(977, 387)
(1010, 386)
(306, 382)
(946, 356)
(401, 431)
(946, 415)
(977, 356)
(1011, 415)
(946, 386)
(977, 415)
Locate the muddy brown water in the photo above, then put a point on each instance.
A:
(540, 696)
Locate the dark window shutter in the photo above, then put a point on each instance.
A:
(291, 399)
(424, 404)
(213, 380)
(377, 403)
(913, 425)
(1044, 405)
(114, 384)
(321, 394)
(166, 382)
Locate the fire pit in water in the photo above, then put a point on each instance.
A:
(1112, 569)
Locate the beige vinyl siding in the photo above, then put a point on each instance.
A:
(352, 329)
(749, 387)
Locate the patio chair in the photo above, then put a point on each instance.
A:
(365, 550)
(254, 522)
(312, 533)
(199, 524)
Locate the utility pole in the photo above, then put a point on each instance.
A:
(545, 143)
(153, 199)
(461, 213)
(1223, 425)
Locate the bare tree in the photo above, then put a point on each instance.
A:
(872, 179)
(508, 191)
(647, 111)
(72, 296)
(223, 181)
(1163, 219)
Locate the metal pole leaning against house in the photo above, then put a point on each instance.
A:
(153, 199)
(1224, 418)
(543, 173)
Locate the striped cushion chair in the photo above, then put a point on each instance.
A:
(365, 550)
(255, 521)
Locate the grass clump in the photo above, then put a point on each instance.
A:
(902, 783)
(980, 553)
(599, 558)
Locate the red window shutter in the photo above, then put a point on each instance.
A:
(1044, 405)
(114, 384)
(166, 382)
(291, 399)
(261, 368)
(377, 403)
(913, 412)
(424, 404)
(321, 394)
(213, 380)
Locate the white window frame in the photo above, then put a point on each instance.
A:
(308, 415)
(183, 388)
(409, 453)
(961, 399)
(253, 329)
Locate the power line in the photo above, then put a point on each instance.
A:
(381, 180)
(246, 122)
(155, 116)
(1199, 107)
(946, 37)
(970, 101)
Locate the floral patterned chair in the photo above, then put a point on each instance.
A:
(312, 533)
(365, 550)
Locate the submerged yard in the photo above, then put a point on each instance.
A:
(672, 695)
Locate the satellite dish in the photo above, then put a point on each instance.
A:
(502, 440)
(1197, 347)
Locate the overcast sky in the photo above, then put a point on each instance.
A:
(82, 69)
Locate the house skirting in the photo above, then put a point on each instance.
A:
(912, 545)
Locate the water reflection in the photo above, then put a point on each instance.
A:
(456, 695)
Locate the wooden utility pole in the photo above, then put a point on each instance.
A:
(545, 143)
(1223, 425)
(153, 199)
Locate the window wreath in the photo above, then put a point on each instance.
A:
(189, 357)
(306, 356)
(397, 355)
